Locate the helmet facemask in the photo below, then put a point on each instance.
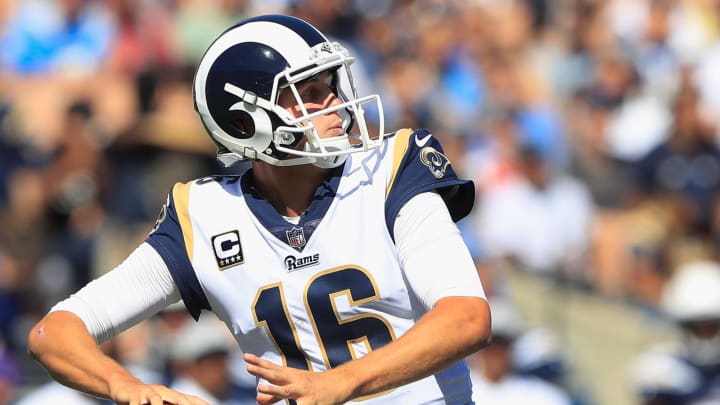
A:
(327, 152)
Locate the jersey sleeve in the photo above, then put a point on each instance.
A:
(172, 238)
(420, 165)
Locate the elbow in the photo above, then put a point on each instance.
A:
(484, 337)
(49, 334)
(469, 319)
(478, 327)
(35, 341)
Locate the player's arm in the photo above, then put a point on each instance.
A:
(441, 272)
(66, 340)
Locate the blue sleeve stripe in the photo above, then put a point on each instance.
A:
(458, 194)
(419, 165)
(182, 273)
(173, 240)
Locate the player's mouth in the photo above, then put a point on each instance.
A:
(336, 130)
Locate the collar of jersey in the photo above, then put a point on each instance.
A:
(274, 222)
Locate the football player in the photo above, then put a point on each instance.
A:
(334, 260)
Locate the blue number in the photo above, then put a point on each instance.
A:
(335, 335)
(270, 310)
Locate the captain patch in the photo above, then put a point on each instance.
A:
(228, 251)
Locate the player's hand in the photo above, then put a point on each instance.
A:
(137, 393)
(304, 387)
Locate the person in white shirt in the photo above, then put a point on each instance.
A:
(495, 380)
(198, 360)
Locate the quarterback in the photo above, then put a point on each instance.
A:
(334, 259)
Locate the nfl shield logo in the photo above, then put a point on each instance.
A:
(296, 237)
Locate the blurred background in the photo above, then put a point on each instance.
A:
(591, 128)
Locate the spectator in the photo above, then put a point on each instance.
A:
(56, 36)
(57, 394)
(685, 169)
(539, 219)
(10, 377)
(199, 361)
(657, 378)
(495, 380)
(539, 352)
(687, 369)
(692, 302)
(675, 188)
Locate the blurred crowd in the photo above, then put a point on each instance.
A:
(591, 128)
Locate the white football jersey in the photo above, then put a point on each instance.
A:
(319, 293)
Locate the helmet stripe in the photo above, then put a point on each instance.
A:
(311, 35)
(292, 46)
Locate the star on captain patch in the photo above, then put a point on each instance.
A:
(228, 250)
(296, 237)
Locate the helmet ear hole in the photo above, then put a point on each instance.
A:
(243, 122)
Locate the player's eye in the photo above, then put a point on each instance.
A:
(317, 88)
(310, 93)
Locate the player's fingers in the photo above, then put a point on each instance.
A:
(260, 362)
(249, 357)
(265, 399)
(284, 391)
(154, 399)
(177, 398)
(274, 376)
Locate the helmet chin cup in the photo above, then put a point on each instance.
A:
(330, 162)
(327, 147)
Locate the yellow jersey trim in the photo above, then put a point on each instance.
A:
(402, 143)
(181, 197)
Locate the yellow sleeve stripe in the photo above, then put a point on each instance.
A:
(402, 143)
(181, 197)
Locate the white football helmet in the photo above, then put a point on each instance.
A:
(239, 80)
